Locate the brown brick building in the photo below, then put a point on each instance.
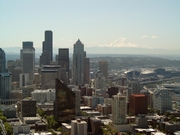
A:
(138, 104)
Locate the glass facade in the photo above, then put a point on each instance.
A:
(64, 105)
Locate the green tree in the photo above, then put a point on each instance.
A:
(3, 118)
(51, 122)
(41, 112)
(8, 128)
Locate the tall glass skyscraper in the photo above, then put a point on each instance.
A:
(47, 51)
(5, 78)
(78, 63)
(63, 60)
(2, 61)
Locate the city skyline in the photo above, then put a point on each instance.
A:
(144, 26)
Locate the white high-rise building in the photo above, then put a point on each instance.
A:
(42, 96)
(78, 127)
(119, 109)
(100, 80)
(162, 100)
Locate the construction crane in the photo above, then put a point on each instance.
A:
(3, 128)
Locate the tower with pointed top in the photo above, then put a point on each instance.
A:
(79, 56)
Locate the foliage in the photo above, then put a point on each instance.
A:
(59, 129)
(167, 114)
(151, 110)
(51, 122)
(3, 118)
(40, 112)
(83, 113)
(108, 130)
(8, 128)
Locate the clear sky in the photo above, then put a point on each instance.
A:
(98, 23)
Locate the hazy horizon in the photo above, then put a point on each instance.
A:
(122, 27)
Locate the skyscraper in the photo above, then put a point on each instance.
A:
(86, 70)
(119, 109)
(78, 63)
(5, 85)
(103, 67)
(63, 59)
(47, 51)
(65, 103)
(28, 59)
(5, 78)
(2, 61)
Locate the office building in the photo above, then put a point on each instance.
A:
(86, 70)
(48, 75)
(5, 77)
(28, 60)
(64, 76)
(162, 100)
(138, 104)
(48, 43)
(80, 64)
(119, 109)
(16, 74)
(122, 81)
(136, 87)
(78, 127)
(42, 96)
(23, 80)
(113, 90)
(2, 61)
(103, 67)
(64, 104)
(21, 129)
(77, 100)
(10, 67)
(99, 81)
(5, 85)
(28, 107)
(47, 51)
(63, 61)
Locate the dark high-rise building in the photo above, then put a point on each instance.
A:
(27, 45)
(63, 59)
(28, 107)
(86, 70)
(103, 67)
(5, 78)
(112, 91)
(64, 104)
(5, 85)
(28, 59)
(47, 51)
(2, 61)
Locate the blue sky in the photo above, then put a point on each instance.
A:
(147, 24)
